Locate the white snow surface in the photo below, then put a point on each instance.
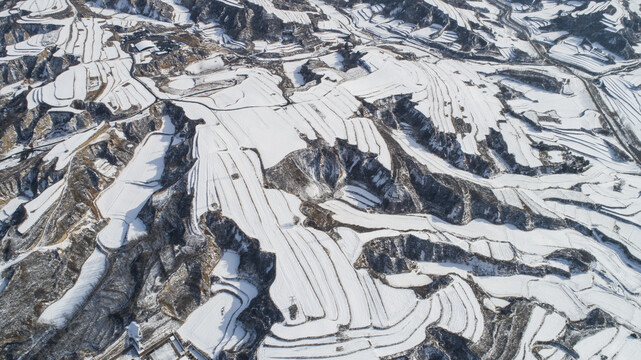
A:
(61, 311)
(123, 200)
(212, 327)
(247, 123)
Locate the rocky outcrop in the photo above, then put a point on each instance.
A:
(325, 217)
(411, 188)
(396, 255)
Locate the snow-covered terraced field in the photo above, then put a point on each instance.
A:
(287, 16)
(320, 180)
(205, 328)
(624, 98)
(108, 82)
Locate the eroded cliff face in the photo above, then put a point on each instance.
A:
(319, 179)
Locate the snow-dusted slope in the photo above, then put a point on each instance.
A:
(320, 179)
